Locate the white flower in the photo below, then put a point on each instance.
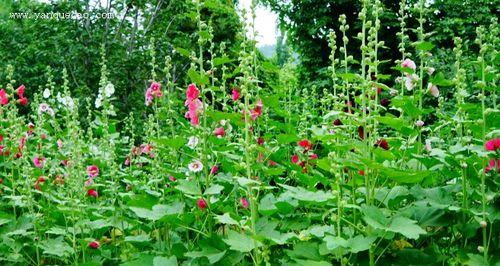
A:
(195, 166)
(192, 142)
(409, 64)
(419, 123)
(98, 101)
(46, 93)
(45, 108)
(109, 90)
(223, 122)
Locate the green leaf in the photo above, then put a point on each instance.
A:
(423, 46)
(404, 176)
(286, 138)
(440, 80)
(226, 219)
(374, 217)
(333, 242)
(241, 242)
(189, 187)
(138, 238)
(158, 211)
(360, 243)
(222, 60)
(212, 254)
(183, 51)
(406, 227)
(213, 190)
(56, 247)
(197, 78)
(164, 261)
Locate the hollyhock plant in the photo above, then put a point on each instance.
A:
(219, 132)
(92, 193)
(433, 90)
(4, 99)
(154, 91)
(202, 204)
(306, 144)
(195, 166)
(409, 64)
(410, 81)
(94, 244)
(195, 106)
(235, 94)
(491, 166)
(382, 143)
(257, 111)
(492, 144)
(244, 203)
(92, 171)
(214, 169)
(38, 162)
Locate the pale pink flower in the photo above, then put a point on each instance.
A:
(59, 144)
(433, 89)
(409, 64)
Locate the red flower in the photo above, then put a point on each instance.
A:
(306, 144)
(20, 91)
(94, 244)
(4, 99)
(382, 143)
(272, 163)
(385, 102)
(295, 159)
(260, 141)
(337, 122)
(236, 94)
(23, 101)
(214, 169)
(202, 204)
(92, 171)
(492, 144)
(244, 203)
(92, 193)
(361, 172)
(219, 132)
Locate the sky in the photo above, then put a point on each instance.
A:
(265, 23)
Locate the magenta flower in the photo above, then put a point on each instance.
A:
(92, 171)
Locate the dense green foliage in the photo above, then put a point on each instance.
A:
(165, 138)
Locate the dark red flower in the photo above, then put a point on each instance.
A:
(361, 172)
(260, 141)
(361, 131)
(385, 102)
(337, 122)
(382, 143)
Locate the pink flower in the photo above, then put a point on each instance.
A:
(4, 99)
(491, 166)
(409, 64)
(214, 169)
(92, 171)
(428, 145)
(433, 89)
(492, 144)
(219, 132)
(202, 204)
(59, 143)
(295, 159)
(192, 93)
(89, 182)
(236, 94)
(244, 203)
(172, 178)
(195, 107)
(38, 161)
(92, 193)
(410, 81)
(127, 161)
(313, 156)
(94, 244)
(154, 91)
